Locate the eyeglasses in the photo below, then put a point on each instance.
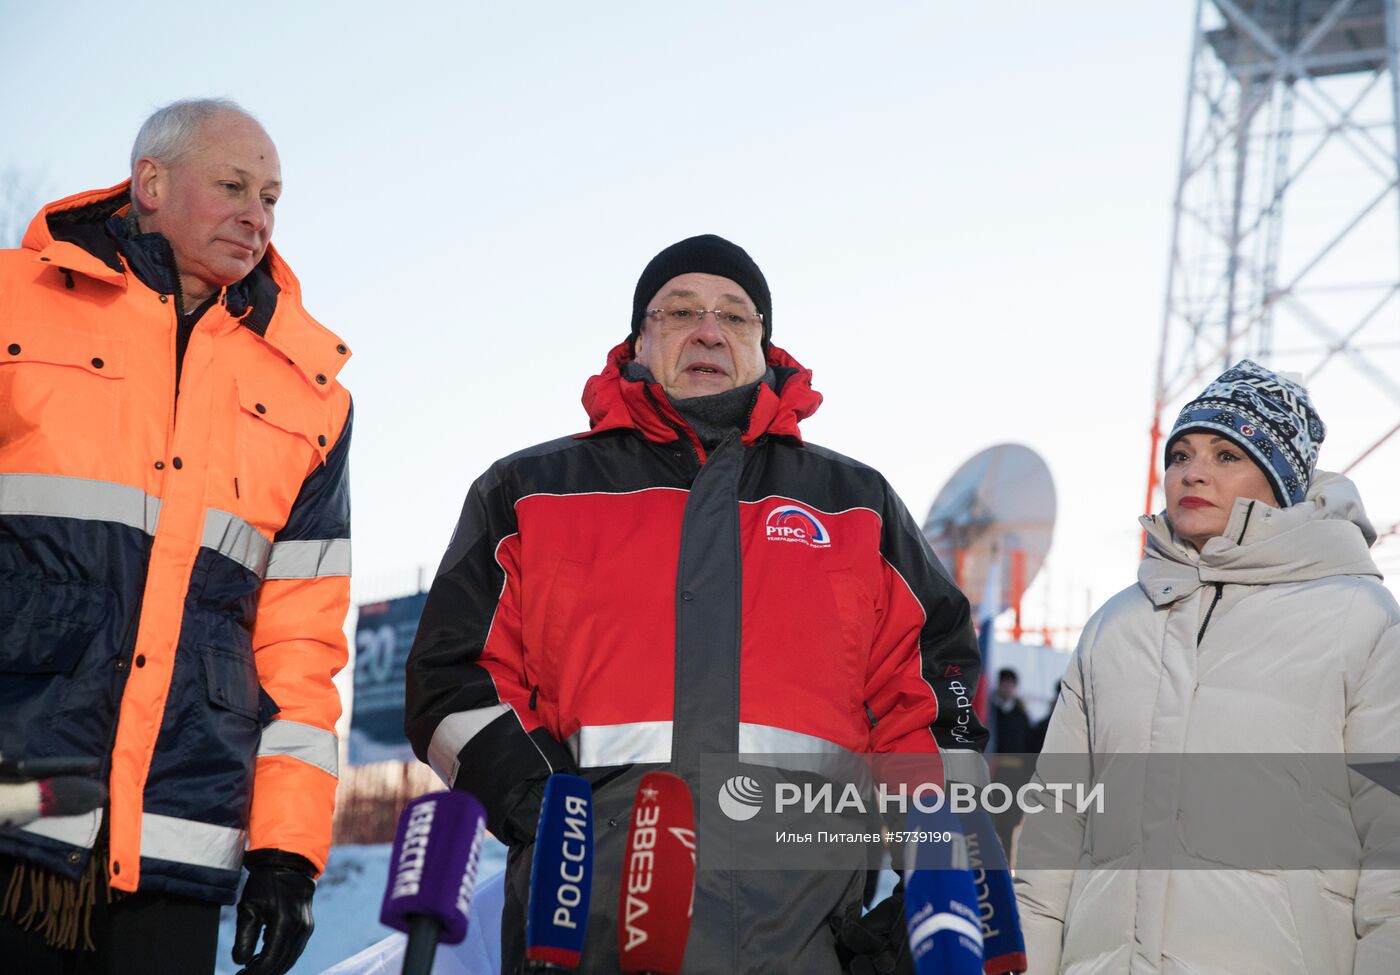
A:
(679, 318)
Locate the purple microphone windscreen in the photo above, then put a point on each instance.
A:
(561, 875)
(433, 863)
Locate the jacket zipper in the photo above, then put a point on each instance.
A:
(1219, 588)
(1248, 514)
(748, 417)
(179, 301)
(682, 433)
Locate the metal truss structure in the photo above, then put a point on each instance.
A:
(1286, 233)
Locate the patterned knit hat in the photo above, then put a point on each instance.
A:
(705, 254)
(1270, 417)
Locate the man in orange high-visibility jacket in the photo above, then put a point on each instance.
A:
(174, 561)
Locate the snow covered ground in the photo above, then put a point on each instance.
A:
(347, 906)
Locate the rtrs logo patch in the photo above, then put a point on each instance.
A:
(794, 523)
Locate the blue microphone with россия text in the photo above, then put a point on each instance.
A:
(433, 874)
(561, 876)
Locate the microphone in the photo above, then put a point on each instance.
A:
(940, 899)
(435, 855)
(23, 802)
(32, 788)
(658, 879)
(561, 875)
(1003, 944)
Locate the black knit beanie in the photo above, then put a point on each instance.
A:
(705, 254)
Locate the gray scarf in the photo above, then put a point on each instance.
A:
(712, 417)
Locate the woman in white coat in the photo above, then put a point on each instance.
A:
(1258, 625)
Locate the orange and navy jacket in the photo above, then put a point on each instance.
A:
(624, 596)
(174, 563)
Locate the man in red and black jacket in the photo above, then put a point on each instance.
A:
(687, 578)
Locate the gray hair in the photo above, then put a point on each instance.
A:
(169, 134)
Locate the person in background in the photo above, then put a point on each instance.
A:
(1258, 626)
(1011, 729)
(1011, 725)
(174, 561)
(689, 577)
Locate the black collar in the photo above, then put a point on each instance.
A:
(150, 257)
(97, 229)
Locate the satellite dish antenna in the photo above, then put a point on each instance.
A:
(991, 525)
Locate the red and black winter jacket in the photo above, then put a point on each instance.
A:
(624, 596)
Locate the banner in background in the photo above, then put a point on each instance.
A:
(383, 636)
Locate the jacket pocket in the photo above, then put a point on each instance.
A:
(268, 708)
(560, 630)
(97, 355)
(60, 385)
(855, 611)
(281, 437)
(231, 682)
(47, 625)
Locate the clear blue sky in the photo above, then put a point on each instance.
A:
(963, 210)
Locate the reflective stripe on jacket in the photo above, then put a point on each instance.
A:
(173, 572)
(626, 597)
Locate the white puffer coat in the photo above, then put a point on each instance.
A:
(1277, 638)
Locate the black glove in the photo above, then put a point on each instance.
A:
(276, 901)
(876, 942)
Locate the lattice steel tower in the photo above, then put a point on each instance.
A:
(1286, 238)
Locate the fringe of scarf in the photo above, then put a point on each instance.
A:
(58, 909)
